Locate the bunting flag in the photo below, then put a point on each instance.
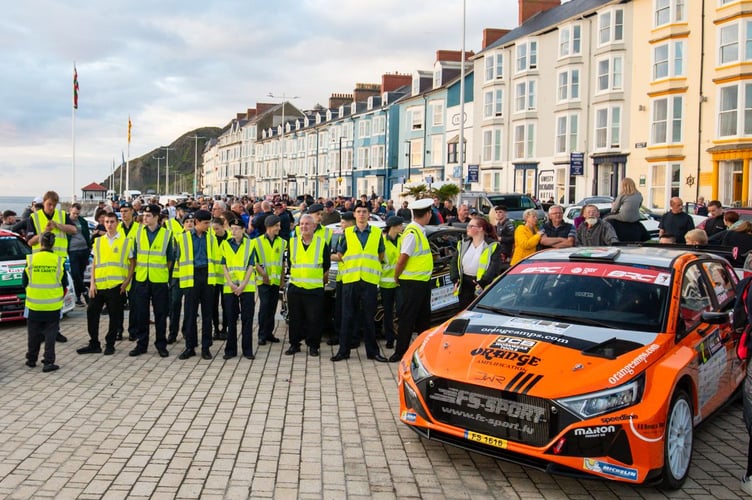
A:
(75, 87)
(129, 129)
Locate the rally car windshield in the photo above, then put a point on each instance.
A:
(11, 248)
(612, 302)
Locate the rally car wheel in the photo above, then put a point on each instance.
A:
(678, 441)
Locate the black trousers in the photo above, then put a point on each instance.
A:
(390, 299)
(114, 301)
(38, 332)
(142, 294)
(467, 291)
(78, 261)
(304, 313)
(268, 299)
(414, 312)
(358, 311)
(239, 306)
(176, 306)
(215, 309)
(200, 294)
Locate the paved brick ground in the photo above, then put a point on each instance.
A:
(280, 426)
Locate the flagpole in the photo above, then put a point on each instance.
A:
(73, 129)
(128, 162)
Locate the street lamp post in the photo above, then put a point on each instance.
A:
(409, 159)
(195, 163)
(167, 168)
(158, 158)
(339, 177)
(283, 172)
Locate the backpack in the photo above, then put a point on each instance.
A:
(740, 318)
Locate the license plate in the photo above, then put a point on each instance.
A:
(489, 440)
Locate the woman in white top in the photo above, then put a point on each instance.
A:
(477, 261)
(626, 208)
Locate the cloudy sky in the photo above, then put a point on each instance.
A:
(174, 66)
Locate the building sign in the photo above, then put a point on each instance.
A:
(545, 184)
(576, 163)
(472, 173)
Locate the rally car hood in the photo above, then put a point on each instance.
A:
(537, 357)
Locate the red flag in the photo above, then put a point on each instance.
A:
(75, 87)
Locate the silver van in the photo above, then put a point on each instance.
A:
(516, 203)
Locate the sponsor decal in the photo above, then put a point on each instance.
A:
(501, 354)
(490, 404)
(542, 325)
(608, 469)
(644, 275)
(632, 275)
(540, 330)
(709, 346)
(595, 432)
(619, 418)
(513, 344)
(629, 369)
(489, 377)
(409, 416)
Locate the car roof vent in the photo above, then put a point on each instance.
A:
(457, 327)
(612, 348)
(607, 254)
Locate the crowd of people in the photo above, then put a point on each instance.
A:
(211, 259)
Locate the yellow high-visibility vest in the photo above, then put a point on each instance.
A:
(237, 264)
(307, 265)
(391, 254)
(60, 247)
(362, 263)
(45, 289)
(270, 257)
(420, 264)
(151, 260)
(111, 261)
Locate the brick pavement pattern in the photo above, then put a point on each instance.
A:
(276, 427)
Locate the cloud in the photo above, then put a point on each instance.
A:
(174, 66)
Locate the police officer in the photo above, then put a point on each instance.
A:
(413, 274)
(361, 252)
(193, 274)
(45, 282)
(269, 252)
(387, 286)
(51, 219)
(309, 260)
(238, 290)
(154, 257)
(111, 272)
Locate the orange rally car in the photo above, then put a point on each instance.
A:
(583, 361)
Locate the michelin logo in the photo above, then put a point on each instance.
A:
(610, 469)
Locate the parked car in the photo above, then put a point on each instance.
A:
(583, 361)
(516, 203)
(650, 224)
(590, 200)
(13, 252)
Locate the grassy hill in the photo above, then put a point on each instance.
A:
(143, 170)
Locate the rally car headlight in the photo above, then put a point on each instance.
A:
(416, 368)
(598, 403)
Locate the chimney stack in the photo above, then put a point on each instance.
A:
(490, 35)
(337, 100)
(365, 90)
(392, 81)
(528, 8)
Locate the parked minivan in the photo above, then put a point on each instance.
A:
(516, 203)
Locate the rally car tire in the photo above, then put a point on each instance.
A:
(678, 441)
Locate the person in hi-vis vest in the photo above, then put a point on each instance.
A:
(45, 281)
(154, 257)
(111, 275)
(238, 291)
